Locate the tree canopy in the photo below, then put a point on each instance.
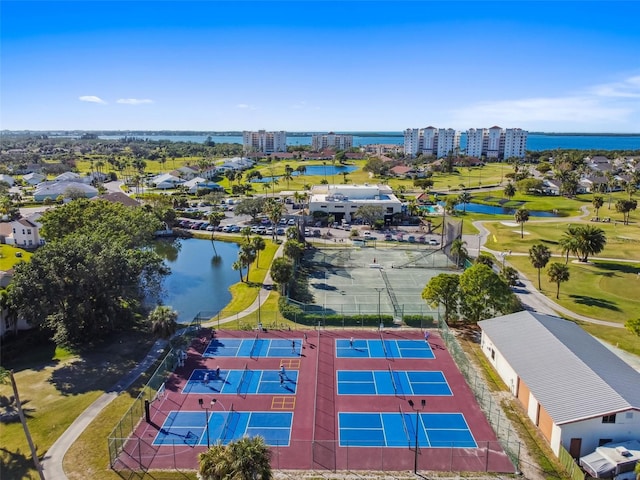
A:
(484, 294)
(90, 277)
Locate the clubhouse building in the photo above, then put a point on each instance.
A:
(342, 201)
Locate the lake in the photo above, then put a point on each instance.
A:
(197, 282)
(321, 170)
(489, 209)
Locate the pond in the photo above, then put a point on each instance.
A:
(495, 210)
(319, 170)
(488, 209)
(198, 282)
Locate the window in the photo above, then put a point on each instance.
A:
(609, 418)
(493, 354)
(29, 231)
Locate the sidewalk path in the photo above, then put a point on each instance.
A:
(536, 301)
(52, 462)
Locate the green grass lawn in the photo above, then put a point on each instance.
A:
(8, 257)
(55, 386)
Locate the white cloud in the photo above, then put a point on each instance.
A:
(134, 101)
(597, 108)
(92, 99)
(628, 88)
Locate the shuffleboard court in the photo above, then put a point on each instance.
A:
(392, 382)
(190, 428)
(376, 348)
(253, 347)
(398, 429)
(245, 382)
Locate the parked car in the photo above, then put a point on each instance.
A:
(280, 231)
(388, 237)
(227, 228)
(433, 241)
(291, 221)
(316, 233)
(307, 232)
(210, 228)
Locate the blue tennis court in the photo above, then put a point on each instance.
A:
(398, 429)
(242, 382)
(383, 348)
(392, 382)
(190, 428)
(253, 347)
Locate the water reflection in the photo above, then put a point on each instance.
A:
(199, 279)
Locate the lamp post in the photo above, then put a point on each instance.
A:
(206, 410)
(379, 290)
(417, 410)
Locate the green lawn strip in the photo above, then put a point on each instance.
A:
(8, 257)
(602, 290)
(623, 241)
(54, 393)
(88, 457)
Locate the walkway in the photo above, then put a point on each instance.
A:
(52, 462)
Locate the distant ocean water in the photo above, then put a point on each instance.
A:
(535, 141)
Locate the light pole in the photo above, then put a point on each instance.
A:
(379, 290)
(206, 411)
(417, 410)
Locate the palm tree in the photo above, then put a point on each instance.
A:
(237, 265)
(464, 197)
(288, 174)
(558, 273)
(539, 256)
(246, 232)
(522, 216)
(246, 459)
(569, 242)
(597, 203)
(459, 251)
(509, 190)
(258, 244)
(163, 321)
(591, 241)
(247, 255)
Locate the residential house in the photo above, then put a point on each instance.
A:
(186, 173)
(550, 186)
(53, 190)
(8, 179)
(34, 178)
(578, 393)
(402, 171)
(25, 232)
(199, 183)
(119, 197)
(166, 181)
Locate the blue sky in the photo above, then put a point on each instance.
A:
(320, 66)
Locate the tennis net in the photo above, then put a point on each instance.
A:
(404, 425)
(227, 423)
(384, 346)
(242, 379)
(253, 347)
(393, 380)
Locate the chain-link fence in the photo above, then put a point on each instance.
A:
(154, 388)
(501, 425)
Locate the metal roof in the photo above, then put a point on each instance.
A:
(571, 374)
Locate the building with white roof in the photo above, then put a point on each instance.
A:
(53, 190)
(577, 392)
(343, 201)
(497, 143)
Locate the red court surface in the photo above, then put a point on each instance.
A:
(314, 441)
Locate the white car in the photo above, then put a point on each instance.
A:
(433, 241)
